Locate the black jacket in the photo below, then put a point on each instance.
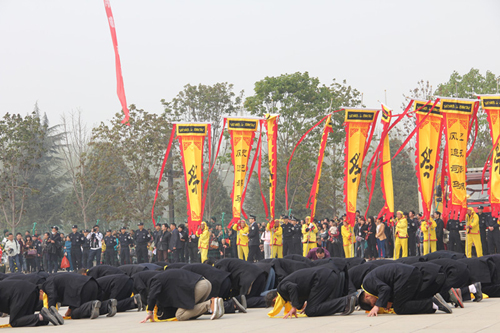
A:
(242, 274)
(66, 288)
(141, 280)
(103, 270)
(253, 235)
(113, 285)
(131, 269)
(387, 280)
(173, 289)
(212, 274)
(285, 267)
(16, 296)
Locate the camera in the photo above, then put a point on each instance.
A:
(94, 230)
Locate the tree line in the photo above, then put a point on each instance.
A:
(68, 174)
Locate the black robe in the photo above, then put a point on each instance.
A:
(496, 260)
(481, 269)
(386, 281)
(358, 273)
(132, 269)
(410, 260)
(141, 283)
(174, 265)
(443, 254)
(18, 299)
(212, 274)
(37, 278)
(457, 273)
(173, 289)
(243, 274)
(151, 266)
(433, 279)
(103, 270)
(351, 262)
(298, 257)
(114, 285)
(67, 288)
(285, 267)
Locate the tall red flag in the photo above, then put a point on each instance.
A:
(120, 89)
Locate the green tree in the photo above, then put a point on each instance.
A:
(301, 101)
(21, 147)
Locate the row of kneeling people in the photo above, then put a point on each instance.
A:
(436, 282)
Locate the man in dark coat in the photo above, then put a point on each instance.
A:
(253, 240)
(181, 294)
(287, 236)
(413, 226)
(321, 287)
(20, 300)
(296, 238)
(119, 287)
(439, 231)
(124, 240)
(132, 269)
(80, 293)
(100, 271)
(53, 248)
(174, 243)
(77, 240)
(454, 242)
(141, 285)
(493, 236)
(397, 286)
(484, 222)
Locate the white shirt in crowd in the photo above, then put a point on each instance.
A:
(14, 245)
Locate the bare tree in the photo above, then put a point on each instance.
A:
(75, 150)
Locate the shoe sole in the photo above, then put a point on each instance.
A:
(244, 301)
(113, 304)
(456, 298)
(479, 292)
(221, 308)
(57, 315)
(239, 306)
(216, 306)
(443, 303)
(139, 302)
(352, 306)
(47, 315)
(95, 310)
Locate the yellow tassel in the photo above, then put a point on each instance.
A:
(155, 314)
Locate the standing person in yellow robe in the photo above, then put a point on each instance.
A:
(473, 235)
(309, 231)
(204, 236)
(242, 240)
(401, 235)
(347, 238)
(429, 229)
(277, 241)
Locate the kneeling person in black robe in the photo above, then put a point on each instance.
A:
(397, 286)
(19, 299)
(119, 287)
(318, 291)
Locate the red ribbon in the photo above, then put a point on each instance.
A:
(120, 89)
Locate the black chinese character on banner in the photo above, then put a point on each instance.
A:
(239, 182)
(238, 198)
(241, 152)
(453, 136)
(458, 185)
(426, 162)
(496, 159)
(355, 169)
(193, 179)
(457, 152)
(456, 168)
(240, 168)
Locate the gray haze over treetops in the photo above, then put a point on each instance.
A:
(60, 53)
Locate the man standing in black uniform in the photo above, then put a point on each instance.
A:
(54, 248)
(287, 236)
(253, 240)
(484, 222)
(493, 236)
(454, 243)
(142, 237)
(413, 225)
(110, 254)
(85, 249)
(125, 241)
(77, 241)
(192, 249)
(439, 231)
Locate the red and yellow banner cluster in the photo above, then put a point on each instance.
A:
(429, 124)
(491, 105)
(457, 118)
(358, 123)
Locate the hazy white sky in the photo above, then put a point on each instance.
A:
(60, 54)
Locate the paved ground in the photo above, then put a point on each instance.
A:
(475, 317)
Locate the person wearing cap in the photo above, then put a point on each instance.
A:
(347, 238)
(309, 232)
(439, 231)
(296, 237)
(493, 236)
(95, 252)
(287, 236)
(401, 242)
(277, 241)
(204, 237)
(77, 241)
(54, 245)
(472, 233)
(85, 249)
(125, 240)
(254, 240)
(484, 221)
(142, 237)
(429, 232)
(110, 254)
(242, 229)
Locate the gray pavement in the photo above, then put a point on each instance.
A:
(475, 317)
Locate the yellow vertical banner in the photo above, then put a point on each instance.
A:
(311, 204)
(242, 132)
(191, 138)
(386, 172)
(271, 124)
(427, 150)
(457, 114)
(491, 105)
(358, 123)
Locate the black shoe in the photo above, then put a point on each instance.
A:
(441, 304)
(350, 306)
(112, 307)
(239, 306)
(478, 295)
(138, 301)
(96, 305)
(48, 316)
(57, 315)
